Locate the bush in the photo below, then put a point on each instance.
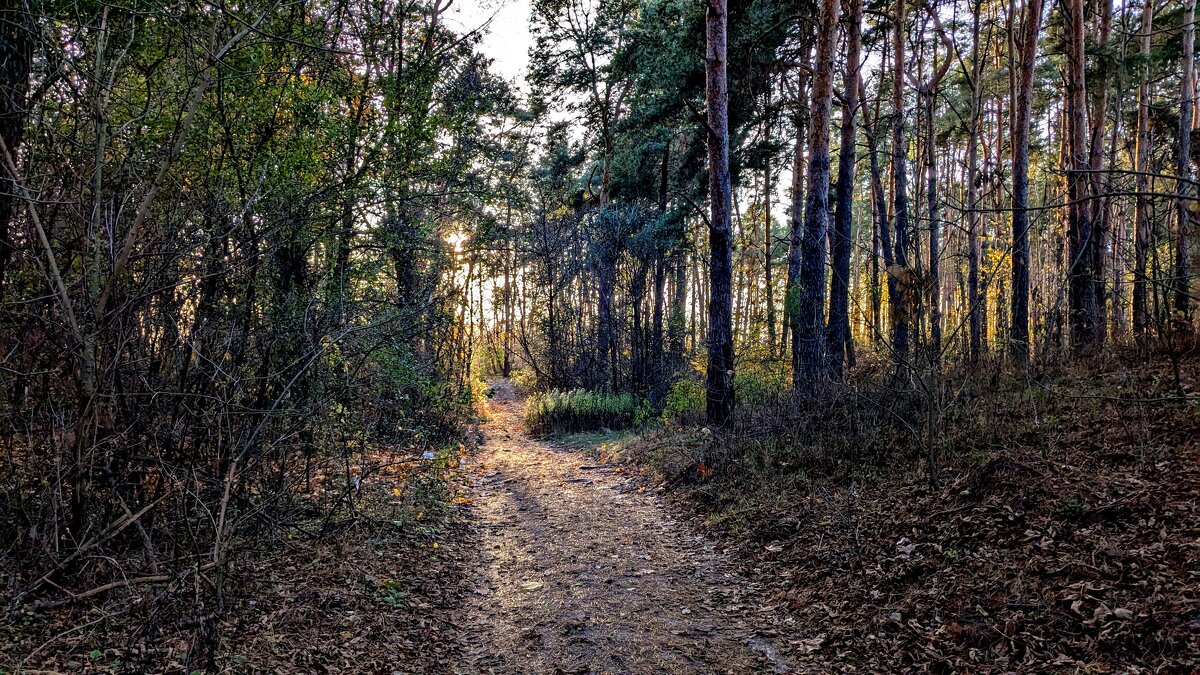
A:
(524, 381)
(759, 386)
(684, 401)
(580, 410)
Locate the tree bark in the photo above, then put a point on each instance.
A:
(900, 317)
(975, 340)
(1141, 215)
(719, 388)
(810, 311)
(839, 291)
(16, 57)
(1183, 163)
(1081, 227)
(1019, 327)
(792, 296)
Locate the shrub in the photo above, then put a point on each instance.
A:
(758, 386)
(684, 401)
(579, 410)
(524, 380)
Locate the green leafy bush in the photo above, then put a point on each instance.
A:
(580, 410)
(754, 387)
(685, 400)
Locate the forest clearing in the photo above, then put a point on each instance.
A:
(599, 336)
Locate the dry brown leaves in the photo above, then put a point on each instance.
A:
(1065, 537)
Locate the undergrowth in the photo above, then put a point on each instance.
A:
(1050, 534)
(582, 410)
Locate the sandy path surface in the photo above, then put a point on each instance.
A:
(580, 571)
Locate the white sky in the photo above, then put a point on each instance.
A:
(506, 39)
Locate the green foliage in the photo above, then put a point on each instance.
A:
(754, 386)
(685, 399)
(392, 593)
(643, 413)
(583, 410)
(524, 380)
(759, 386)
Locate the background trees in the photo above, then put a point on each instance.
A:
(1016, 245)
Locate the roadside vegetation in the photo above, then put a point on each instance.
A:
(1053, 536)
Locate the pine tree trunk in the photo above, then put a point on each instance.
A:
(839, 290)
(1081, 226)
(810, 308)
(900, 315)
(1141, 215)
(1019, 325)
(974, 301)
(719, 389)
(1183, 164)
(792, 296)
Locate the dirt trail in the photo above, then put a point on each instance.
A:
(580, 572)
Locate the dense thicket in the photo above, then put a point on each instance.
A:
(230, 288)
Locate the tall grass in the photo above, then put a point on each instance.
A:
(581, 410)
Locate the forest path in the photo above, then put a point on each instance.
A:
(579, 571)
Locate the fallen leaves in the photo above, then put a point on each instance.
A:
(1064, 543)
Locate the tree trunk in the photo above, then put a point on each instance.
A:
(839, 291)
(768, 258)
(931, 196)
(810, 324)
(1183, 164)
(1081, 230)
(16, 57)
(1019, 328)
(719, 389)
(1141, 215)
(1098, 180)
(657, 377)
(902, 307)
(974, 301)
(792, 296)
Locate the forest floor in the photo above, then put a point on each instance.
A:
(1063, 536)
(581, 569)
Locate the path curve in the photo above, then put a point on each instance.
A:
(580, 571)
